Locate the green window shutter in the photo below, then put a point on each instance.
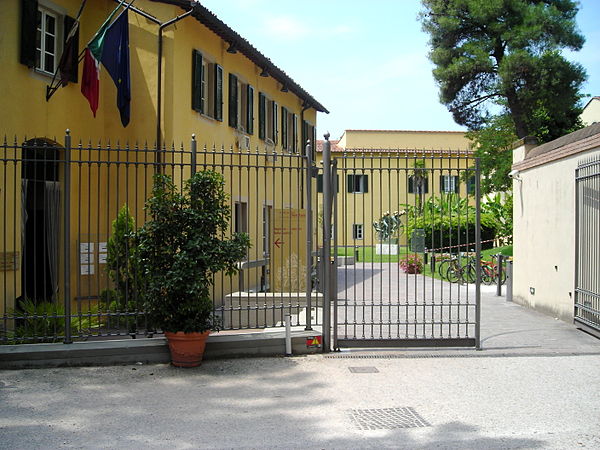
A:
(456, 184)
(218, 92)
(197, 81)
(294, 133)
(74, 66)
(304, 133)
(284, 133)
(441, 183)
(426, 186)
(275, 122)
(350, 183)
(250, 109)
(233, 101)
(262, 106)
(29, 9)
(411, 185)
(320, 182)
(366, 183)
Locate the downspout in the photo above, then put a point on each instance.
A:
(158, 158)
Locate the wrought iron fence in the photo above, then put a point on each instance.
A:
(391, 210)
(70, 210)
(587, 232)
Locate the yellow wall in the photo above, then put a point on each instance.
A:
(94, 201)
(388, 172)
(401, 139)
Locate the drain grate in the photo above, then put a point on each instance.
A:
(386, 418)
(364, 369)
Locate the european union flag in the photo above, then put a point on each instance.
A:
(115, 57)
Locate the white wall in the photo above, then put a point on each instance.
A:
(544, 235)
(591, 112)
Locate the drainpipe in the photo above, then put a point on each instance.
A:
(159, 83)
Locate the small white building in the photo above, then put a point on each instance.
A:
(556, 236)
(591, 112)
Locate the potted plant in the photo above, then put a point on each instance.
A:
(411, 264)
(181, 247)
(386, 229)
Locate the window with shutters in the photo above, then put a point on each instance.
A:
(207, 86)
(292, 134)
(308, 134)
(268, 113)
(418, 185)
(44, 29)
(358, 184)
(449, 184)
(357, 231)
(284, 128)
(46, 41)
(241, 105)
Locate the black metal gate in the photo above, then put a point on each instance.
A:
(587, 235)
(397, 216)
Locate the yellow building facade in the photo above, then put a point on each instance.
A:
(249, 119)
(376, 175)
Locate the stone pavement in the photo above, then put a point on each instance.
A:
(535, 384)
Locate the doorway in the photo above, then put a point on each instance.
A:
(40, 219)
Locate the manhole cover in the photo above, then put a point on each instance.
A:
(386, 418)
(363, 369)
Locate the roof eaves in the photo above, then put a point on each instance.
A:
(217, 26)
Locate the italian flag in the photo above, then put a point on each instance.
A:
(90, 80)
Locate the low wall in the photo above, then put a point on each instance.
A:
(149, 350)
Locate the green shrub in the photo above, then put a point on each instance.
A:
(45, 322)
(182, 246)
(448, 220)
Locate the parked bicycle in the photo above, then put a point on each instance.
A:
(490, 272)
(462, 272)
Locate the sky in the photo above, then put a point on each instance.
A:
(366, 62)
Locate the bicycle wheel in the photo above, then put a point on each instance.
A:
(468, 274)
(487, 274)
(443, 268)
(453, 274)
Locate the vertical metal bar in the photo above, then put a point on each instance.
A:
(499, 261)
(309, 232)
(67, 238)
(327, 197)
(577, 237)
(194, 149)
(477, 255)
(509, 281)
(333, 280)
(288, 334)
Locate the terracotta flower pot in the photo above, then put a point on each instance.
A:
(187, 349)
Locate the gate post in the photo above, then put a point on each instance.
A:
(309, 232)
(333, 286)
(67, 237)
(327, 203)
(193, 148)
(477, 255)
